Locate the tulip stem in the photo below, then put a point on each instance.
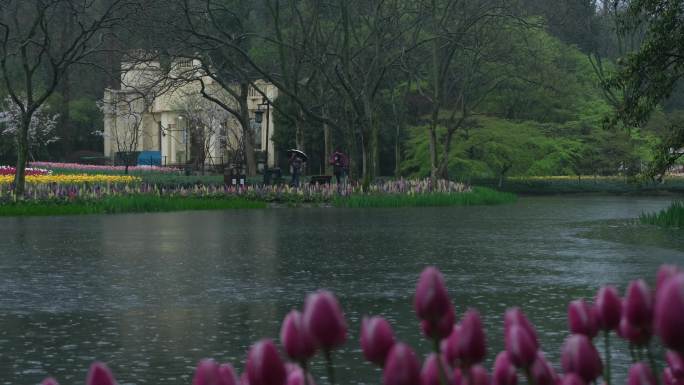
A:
(329, 366)
(305, 369)
(631, 353)
(442, 374)
(652, 361)
(528, 374)
(606, 345)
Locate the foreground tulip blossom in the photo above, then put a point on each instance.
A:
(298, 344)
(49, 381)
(449, 346)
(227, 375)
(582, 318)
(441, 328)
(675, 362)
(471, 346)
(402, 366)
(520, 345)
(99, 374)
(431, 300)
(477, 375)
(207, 373)
(640, 374)
(296, 377)
(608, 308)
(264, 366)
(579, 356)
(432, 373)
(324, 320)
(542, 372)
(638, 305)
(639, 336)
(515, 316)
(572, 379)
(377, 338)
(665, 272)
(669, 313)
(504, 371)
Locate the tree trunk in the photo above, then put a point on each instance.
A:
(327, 138)
(443, 170)
(433, 152)
(397, 153)
(22, 158)
(375, 141)
(247, 132)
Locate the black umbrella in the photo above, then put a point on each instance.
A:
(298, 153)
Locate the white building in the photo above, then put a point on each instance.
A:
(163, 116)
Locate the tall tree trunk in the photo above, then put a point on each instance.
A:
(433, 151)
(375, 154)
(397, 152)
(22, 157)
(443, 170)
(327, 139)
(247, 132)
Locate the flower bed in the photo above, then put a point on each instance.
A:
(46, 179)
(460, 346)
(109, 169)
(9, 170)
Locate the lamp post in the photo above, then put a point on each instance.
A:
(267, 104)
(185, 137)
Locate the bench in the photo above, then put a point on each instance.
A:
(320, 179)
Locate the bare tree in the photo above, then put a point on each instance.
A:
(28, 48)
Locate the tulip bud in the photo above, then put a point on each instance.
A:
(477, 375)
(401, 367)
(99, 374)
(295, 337)
(515, 316)
(296, 377)
(49, 381)
(206, 373)
(638, 306)
(472, 346)
(431, 301)
(675, 362)
(441, 328)
(542, 372)
(264, 366)
(244, 379)
(636, 335)
(580, 356)
(669, 313)
(669, 378)
(431, 372)
(377, 339)
(608, 308)
(504, 371)
(449, 346)
(227, 375)
(640, 374)
(520, 345)
(665, 272)
(324, 320)
(572, 379)
(582, 318)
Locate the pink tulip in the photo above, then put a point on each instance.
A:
(636, 335)
(49, 381)
(244, 379)
(431, 372)
(99, 374)
(324, 320)
(582, 318)
(638, 306)
(264, 366)
(669, 378)
(441, 328)
(640, 374)
(669, 313)
(608, 308)
(377, 338)
(675, 362)
(504, 370)
(572, 379)
(431, 301)
(296, 377)
(206, 373)
(227, 375)
(477, 375)
(515, 316)
(295, 338)
(542, 372)
(402, 366)
(520, 345)
(580, 356)
(449, 346)
(472, 346)
(665, 272)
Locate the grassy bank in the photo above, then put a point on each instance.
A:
(584, 185)
(126, 204)
(672, 216)
(479, 196)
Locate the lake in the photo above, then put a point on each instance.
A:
(151, 294)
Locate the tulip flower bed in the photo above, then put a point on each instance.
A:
(72, 179)
(460, 346)
(9, 170)
(87, 168)
(542, 185)
(85, 197)
(672, 216)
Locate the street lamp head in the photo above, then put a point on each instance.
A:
(258, 116)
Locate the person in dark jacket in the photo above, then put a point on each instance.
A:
(296, 164)
(340, 163)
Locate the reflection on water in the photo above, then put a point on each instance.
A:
(152, 294)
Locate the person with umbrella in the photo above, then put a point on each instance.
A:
(297, 160)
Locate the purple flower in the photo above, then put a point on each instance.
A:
(298, 344)
(264, 366)
(324, 320)
(402, 366)
(580, 356)
(377, 339)
(431, 301)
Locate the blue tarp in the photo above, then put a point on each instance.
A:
(149, 158)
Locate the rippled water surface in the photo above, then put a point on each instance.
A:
(151, 294)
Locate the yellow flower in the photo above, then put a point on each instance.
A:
(73, 179)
